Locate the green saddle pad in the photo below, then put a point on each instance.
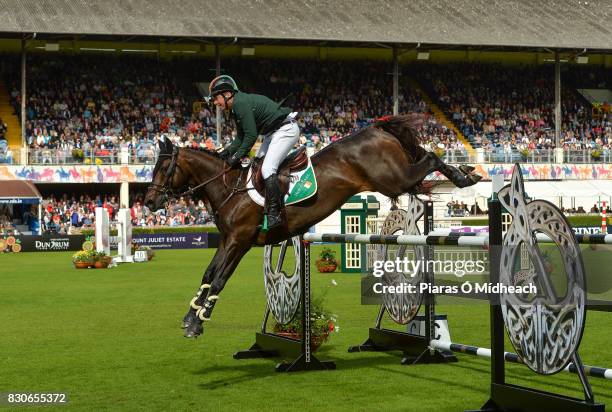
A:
(303, 185)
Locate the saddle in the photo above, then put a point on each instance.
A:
(296, 160)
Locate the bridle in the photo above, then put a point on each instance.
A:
(166, 190)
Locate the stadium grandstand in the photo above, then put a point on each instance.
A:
(88, 88)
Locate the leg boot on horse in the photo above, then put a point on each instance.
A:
(191, 322)
(229, 253)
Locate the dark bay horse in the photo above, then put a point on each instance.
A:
(385, 157)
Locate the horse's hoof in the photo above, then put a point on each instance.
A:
(194, 330)
(466, 169)
(475, 178)
(189, 319)
(190, 334)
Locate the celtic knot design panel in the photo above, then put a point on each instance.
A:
(402, 307)
(545, 329)
(282, 290)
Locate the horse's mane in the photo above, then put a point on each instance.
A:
(212, 153)
(204, 150)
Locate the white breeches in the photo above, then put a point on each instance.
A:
(277, 145)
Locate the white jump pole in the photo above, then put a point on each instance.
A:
(102, 231)
(595, 371)
(440, 237)
(124, 234)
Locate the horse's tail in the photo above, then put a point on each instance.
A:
(404, 128)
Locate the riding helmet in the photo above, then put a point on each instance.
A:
(220, 84)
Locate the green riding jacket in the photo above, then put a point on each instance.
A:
(254, 114)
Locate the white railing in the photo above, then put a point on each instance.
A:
(457, 156)
(148, 155)
(587, 156)
(67, 156)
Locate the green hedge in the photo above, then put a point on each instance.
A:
(585, 220)
(169, 229)
(475, 222)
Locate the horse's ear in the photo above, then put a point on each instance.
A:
(165, 145)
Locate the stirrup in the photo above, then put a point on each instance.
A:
(265, 226)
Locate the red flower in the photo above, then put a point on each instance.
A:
(331, 326)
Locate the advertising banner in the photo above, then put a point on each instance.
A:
(59, 243)
(587, 230)
(50, 243)
(170, 240)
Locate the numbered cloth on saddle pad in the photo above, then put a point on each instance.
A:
(296, 175)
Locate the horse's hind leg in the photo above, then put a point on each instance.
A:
(412, 175)
(461, 177)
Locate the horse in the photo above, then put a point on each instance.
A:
(385, 157)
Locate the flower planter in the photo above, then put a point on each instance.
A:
(290, 335)
(323, 266)
(101, 264)
(84, 259)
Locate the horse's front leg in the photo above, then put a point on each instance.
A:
(229, 257)
(198, 300)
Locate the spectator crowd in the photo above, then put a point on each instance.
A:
(68, 213)
(512, 107)
(6, 154)
(87, 107)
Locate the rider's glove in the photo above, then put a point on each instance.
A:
(225, 155)
(234, 161)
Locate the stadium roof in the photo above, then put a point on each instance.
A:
(564, 24)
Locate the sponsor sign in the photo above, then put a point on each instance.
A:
(169, 240)
(58, 243)
(20, 201)
(578, 230)
(587, 230)
(51, 243)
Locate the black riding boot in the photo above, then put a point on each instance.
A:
(273, 201)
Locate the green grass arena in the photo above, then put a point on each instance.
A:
(112, 340)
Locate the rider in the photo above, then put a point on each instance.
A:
(254, 115)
